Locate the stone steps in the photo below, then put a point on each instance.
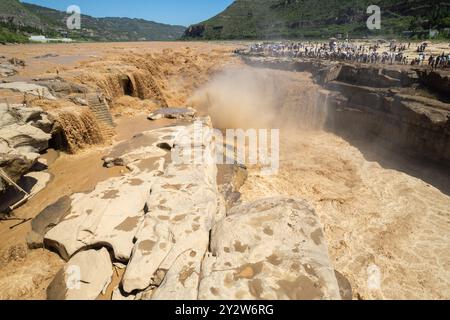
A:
(99, 107)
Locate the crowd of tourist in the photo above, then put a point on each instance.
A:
(393, 53)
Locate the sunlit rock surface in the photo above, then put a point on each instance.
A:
(269, 249)
(84, 277)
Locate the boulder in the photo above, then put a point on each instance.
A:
(21, 114)
(7, 70)
(45, 56)
(29, 88)
(27, 114)
(45, 123)
(25, 137)
(269, 249)
(173, 113)
(17, 62)
(84, 277)
(16, 162)
(435, 80)
(345, 287)
(46, 220)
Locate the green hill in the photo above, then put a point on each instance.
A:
(268, 19)
(19, 20)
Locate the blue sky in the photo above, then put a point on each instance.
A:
(182, 12)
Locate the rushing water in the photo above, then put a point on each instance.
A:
(375, 219)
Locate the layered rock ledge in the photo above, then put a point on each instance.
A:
(404, 109)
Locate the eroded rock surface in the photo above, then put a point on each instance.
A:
(84, 277)
(10, 67)
(269, 249)
(173, 113)
(113, 212)
(109, 215)
(29, 88)
(162, 219)
(183, 205)
(46, 220)
(24, 132)
(230, 178)
(150, 144)
(382, 104)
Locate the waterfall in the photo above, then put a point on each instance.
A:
(304, 108)
(77, 129)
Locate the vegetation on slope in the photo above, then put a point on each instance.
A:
(265, 19)
(19, 20)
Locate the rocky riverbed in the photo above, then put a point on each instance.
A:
(99, 134)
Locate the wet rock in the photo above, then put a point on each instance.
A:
(36, 181)
(84, 277)
(47, 219)
(46, 123)
(79, 101)
(269, 249)
(173, 113)
(34, 240)
(29, 88)
(345, 287)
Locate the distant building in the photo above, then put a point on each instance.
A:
(434, 33)
(44, 39)
(38, 39)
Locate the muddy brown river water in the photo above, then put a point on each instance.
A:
(376, 219)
